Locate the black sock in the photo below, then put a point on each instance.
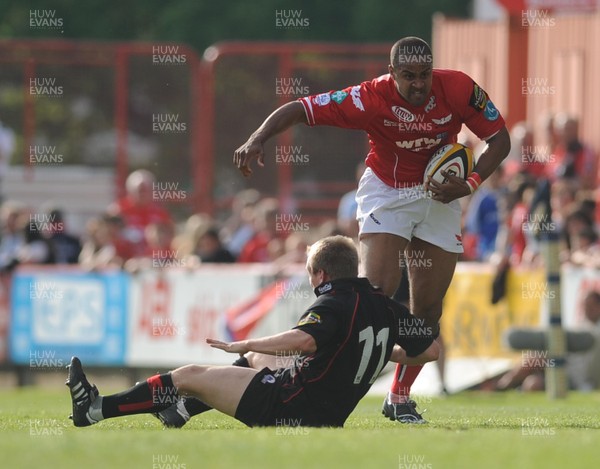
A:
(242, 361)
(153, 395)
(196, 406)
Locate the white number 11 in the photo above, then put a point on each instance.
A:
(366, 336)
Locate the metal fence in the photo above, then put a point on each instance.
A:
(307, 169)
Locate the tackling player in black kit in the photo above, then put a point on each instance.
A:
(342, 341)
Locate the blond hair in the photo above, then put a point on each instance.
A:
(335, 255)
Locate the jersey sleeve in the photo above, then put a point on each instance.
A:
(320, 322)
(413, 336)
(350, 108)
(478, 111)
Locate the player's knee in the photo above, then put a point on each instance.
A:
(387, 282)
(183, 376)
(377, 278)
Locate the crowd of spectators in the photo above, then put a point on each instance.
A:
(549, 185)
(137, 232)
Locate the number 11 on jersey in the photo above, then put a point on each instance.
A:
(367, 336)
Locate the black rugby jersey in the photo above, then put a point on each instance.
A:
(355, 327)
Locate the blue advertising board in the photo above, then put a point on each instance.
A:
(55, 315)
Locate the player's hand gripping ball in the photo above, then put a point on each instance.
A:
(454, 159)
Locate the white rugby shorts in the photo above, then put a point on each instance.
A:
(407, 212)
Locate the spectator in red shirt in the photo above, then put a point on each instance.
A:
(138, 209)
(264, 246)
(159, 251)
(521, 226)
(159, 238)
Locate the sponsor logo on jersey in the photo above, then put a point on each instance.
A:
(418, 144)
(458, 240)
(403, 114)
(312, 317)
(339, 96)
(430, 104)
(372, 217)
(491, 113)
(443, 120)
(479, 98)
(322, 99)
(268, 379)
(389, 123)
(355, 93)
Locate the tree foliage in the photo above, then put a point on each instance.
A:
(204, 22)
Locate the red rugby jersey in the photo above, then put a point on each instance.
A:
(403, 137)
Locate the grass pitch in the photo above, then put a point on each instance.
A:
(468, 430)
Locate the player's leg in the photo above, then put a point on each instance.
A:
(153, 394)
(380, 260)
(430, 279)
(185, 408)
(380, 255)
(430, 270)
(441, 364)
(178, 414)
(380, 263)
(220, 387)
(386, 220)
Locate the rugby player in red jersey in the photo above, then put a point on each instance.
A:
(408, 114)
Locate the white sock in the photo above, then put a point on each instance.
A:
(95, 410)
(181, 410)
(393, 398)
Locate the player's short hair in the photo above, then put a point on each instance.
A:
(335, 255)
(410, 50)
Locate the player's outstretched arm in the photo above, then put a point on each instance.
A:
(431, 354)
(289, 342)
(282, 119)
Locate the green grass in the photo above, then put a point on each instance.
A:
(468, 430)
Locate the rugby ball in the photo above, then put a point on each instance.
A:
(453, 158)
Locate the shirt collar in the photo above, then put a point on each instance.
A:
(342, 284)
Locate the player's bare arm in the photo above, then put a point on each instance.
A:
(497, 149)
(281, 119)
(431, 354)
(293, 342)
(495, 152)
